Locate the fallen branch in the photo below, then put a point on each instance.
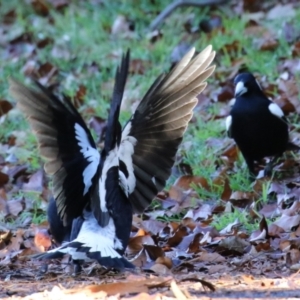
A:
(179, 3)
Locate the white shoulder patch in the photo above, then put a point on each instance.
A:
(91, 154)
(276, 110)
(228, 123)
(126, 151)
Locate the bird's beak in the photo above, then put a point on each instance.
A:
(240, 89)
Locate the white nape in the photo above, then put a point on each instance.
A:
(240, 89)
(276, 110)
(228, 123)
(90, 154)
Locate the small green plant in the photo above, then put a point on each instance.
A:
(37, 214)
(242, 216)
(172, 218)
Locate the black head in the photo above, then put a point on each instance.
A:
(245, 83)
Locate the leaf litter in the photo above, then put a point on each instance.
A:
(181, 247)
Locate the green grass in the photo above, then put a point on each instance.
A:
(82, 32)
(242, 216)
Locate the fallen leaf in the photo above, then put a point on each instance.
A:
(35, 182)
(280, 11)
(287, 223)
(160, 269)
(5, 107)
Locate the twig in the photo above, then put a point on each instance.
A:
(177, 292)
(179, 3)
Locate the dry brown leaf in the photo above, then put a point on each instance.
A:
(42, 240)
(9, 17)
(161, 269)
(258, 235)
(14, 207)
(45, 73)
(288, 222)
(4, 178)
(234, 243)
(35, 182)
(79, 96)
(210, 257)
(16, 241)
(167, 261)
(5, 107)
(267, 44)
(123, 288)
(280, 11)
(178, 235)
(185, 182)
(194, 246)
(152, 226)
(140, 259)
(136, 243)
(201, 213)
(40, 7)
(154, 252)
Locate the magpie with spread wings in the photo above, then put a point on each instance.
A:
(96, 192)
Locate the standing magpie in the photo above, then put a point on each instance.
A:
(257, 125)
(96, 192)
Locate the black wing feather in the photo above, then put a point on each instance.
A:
(54, 122)
(159, 122)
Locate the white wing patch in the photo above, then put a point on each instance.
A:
(126, 151)
(228, 123)
(90, 154)
(276, 110)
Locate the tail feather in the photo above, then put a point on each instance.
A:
(116, 263)
(48, 255)
(92, 243)
(80, 252)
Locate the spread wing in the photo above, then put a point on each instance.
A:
(66, 144)
(152, 136)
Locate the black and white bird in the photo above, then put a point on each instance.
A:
(96, 192)
(257, 124)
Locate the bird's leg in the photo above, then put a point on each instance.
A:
(250, 164)
(269, 167)
(77, 266)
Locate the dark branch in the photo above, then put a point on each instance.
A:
(179, 3)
